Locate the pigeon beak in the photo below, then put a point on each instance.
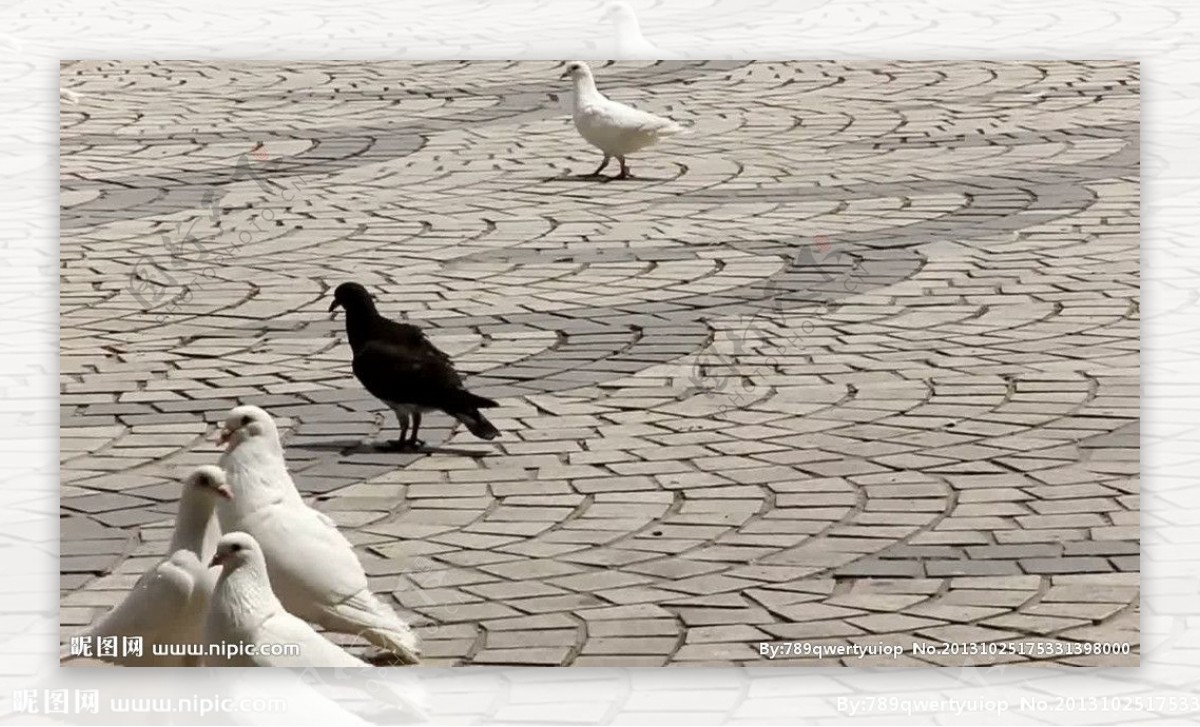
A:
(566, 74)
(217, 559)
(333, 306)
(225, 492)
(223, 435)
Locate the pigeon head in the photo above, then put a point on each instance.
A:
(210, 479)
(352, 297)
(236, 549)
(247, 422)
(576, 71)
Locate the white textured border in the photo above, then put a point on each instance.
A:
(35, 35)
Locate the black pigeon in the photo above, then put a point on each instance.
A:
(401, 367)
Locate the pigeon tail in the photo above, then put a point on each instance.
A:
(367, 616)
(401, 643)
(674, 128)
(477, 424)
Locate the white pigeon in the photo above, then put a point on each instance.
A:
(628, 42)
(313, 568)
(245, 612)
(167, 604)
(613, 128)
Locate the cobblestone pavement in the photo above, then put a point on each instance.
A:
(855, 361)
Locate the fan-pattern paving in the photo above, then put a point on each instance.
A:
(855, 360)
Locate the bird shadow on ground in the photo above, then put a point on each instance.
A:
(346, 447)
(603, 178)
(456, 451)
(578, 178)
(384, 659)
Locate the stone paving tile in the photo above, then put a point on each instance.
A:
(898, 399)
(638, 627)
(523, 656)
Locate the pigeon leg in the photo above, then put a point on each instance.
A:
(402, 418)
(600, 168)
(624, 169)
(413, 442)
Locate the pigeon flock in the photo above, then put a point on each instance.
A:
(284, 565)
(280, 566)
(312, 567)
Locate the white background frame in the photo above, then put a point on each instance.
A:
(35, 35)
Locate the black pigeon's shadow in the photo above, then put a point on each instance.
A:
(341, 447)
(605, 178)
(456, 451)
(601, 179)
(357, 446)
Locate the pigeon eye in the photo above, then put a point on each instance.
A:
(235, 547)
(246, 420)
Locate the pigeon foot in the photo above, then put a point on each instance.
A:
(405, 445)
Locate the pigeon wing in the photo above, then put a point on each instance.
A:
(315, 650)
(412, 376)
(626, 117)
(410, 336)
(154, 606)
(316, 574)
(311, 564)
